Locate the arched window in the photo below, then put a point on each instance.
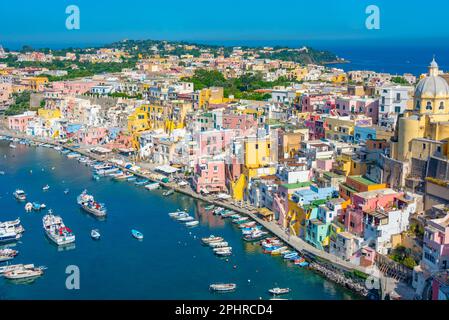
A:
(442, 105)
(429, 106)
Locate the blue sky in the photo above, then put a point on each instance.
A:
(43, 22)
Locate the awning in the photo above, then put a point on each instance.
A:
(265, 212)
(167, 169)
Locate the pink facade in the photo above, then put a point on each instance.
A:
(93, 136)
(74, 87)
(312, 103)
(241, 123)
(365, 201)
(212, 143)
(325, 165)
(210, 176)
(355, 106)
(317, 127)
(20, 122)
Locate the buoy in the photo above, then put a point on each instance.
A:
(249, 280)
(235, 267)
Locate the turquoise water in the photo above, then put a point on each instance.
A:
(170, 263)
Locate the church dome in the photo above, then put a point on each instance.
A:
(433, 86)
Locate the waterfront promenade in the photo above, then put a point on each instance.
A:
(294, 242)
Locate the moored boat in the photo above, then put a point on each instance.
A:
(177, 214)
(152, 186)
(137, 234)
(192, 223)
(95, 234)
(211, 239)
(87, 203)
(279, 291)
(20, 195)
(56, 230)
(168, 193)
(23, 273)
(223, 287)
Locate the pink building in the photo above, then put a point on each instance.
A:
(20, 122)
(436, 244)
(211, 143)
(366, 201)
(93, 136)
(210, 176)
(313, 103)
(74, 87)
(241, 123)
(324, 164)
(317, 127)
(356, 105)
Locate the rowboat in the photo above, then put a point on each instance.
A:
(279, 291)
(240, 220)
(279, 251)
(222, 249)
(46, 188)
(95, 234)
(136, 234)
(224, 253)
(223, 287)
(176, 214)
(291, 255)
(20, 195)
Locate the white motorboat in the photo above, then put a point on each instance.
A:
(23, 273)
(192, 223)
(279, 291)
(177, 214)
(212, 239)
(20, 195)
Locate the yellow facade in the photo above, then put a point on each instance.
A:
(339, 128)
(48, 114)
(257, 153)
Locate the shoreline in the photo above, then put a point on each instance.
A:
(321, 262)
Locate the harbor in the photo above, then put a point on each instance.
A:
(254, 272)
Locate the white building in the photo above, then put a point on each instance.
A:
(394, 100)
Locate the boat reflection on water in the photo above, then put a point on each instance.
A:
(25, 281)
(251, 248)
(66, 247)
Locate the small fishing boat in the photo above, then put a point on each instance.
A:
(20, 195)
(73, 155)
(192, 223)
(66, 191)
(95, 234)
(56, 230)
(301, 262)
(152, 186)
(222, 249)
(13, 146)
(37, 206)
(279, 291)
(223, 287)
(136, 234)
(131, 179)
(123, 177)
(168, 193)
(46, 188)
(240, 220)
(279, 251)
(209, 208)
(7, 254)
(212, 239)
(87, 203)
(255, 236)
(291, 255)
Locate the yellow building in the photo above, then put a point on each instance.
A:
(258, 152)
(208, 96)
(35, 83)
(428, 120)
(48, 114)
(340, 128)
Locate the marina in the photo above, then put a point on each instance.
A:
(246, 260)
